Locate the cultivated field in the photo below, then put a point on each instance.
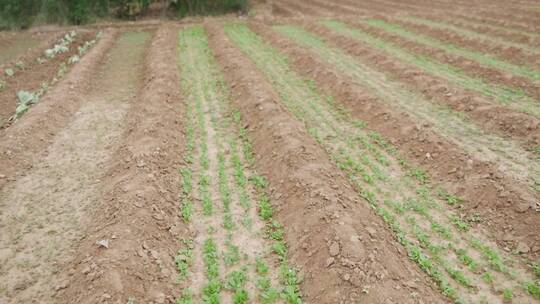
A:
(346, 151)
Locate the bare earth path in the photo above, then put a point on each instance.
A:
(42, 212)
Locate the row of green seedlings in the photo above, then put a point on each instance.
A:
(61, 46)
(415, 21)
(454, 273)
(428, 202)
(184, 258)
(195, 120)
(235, 281)
(481, 58)
(422, 206)
(441, 117)
(212, 289)
(288, 100)
(515, 98)
(274, 232)
(495, 29)
(366, 161)
(26, 99)
(367, 171)
(365, 175)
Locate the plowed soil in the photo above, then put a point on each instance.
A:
(14, 45)
(32, 75)
(309, 152)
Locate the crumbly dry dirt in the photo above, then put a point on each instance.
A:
(32, 75)
(92, 192)
(14, 45)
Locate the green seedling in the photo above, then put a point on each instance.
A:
(280, 249)
(240, 296)
(259, 181)
(459, 277)
(459, 224)
(265, 208)
(451, 199)
(488, 277)
(467, 260)
(420, 175)
(536, 151)
(236, 280)
(210, 97)
(261, 267)
(211, 292)
(492, 256)
(291, 293)
(267, 293)
(187, 183)
(186, 211)
(183, 259)
(210, 256)
(232, 255)
(533, 289)
(508, 295)
(186, 298)
(26, 99)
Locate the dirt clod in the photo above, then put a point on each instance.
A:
(523, 248)
(334, 249)
(103, 244)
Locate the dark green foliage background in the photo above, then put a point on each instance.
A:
(24, 13)
(208, 7)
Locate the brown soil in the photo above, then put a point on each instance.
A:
(497, 11)
(138, 209)
(497, 21)
(371, 7)
(44, 209)
(521, 19)
(515, 36)
(338, 10)
(282, 10)
(488, 113)
(300, 9)
(316, 203)
(505, 206)
(24, 46)
(532, 24)
(511, 54)
(33, 75)
(97, 160)
(493, 117)
(23, 143)
(471, 67)
(15, 44)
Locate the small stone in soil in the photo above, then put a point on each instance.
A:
(103, 243)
